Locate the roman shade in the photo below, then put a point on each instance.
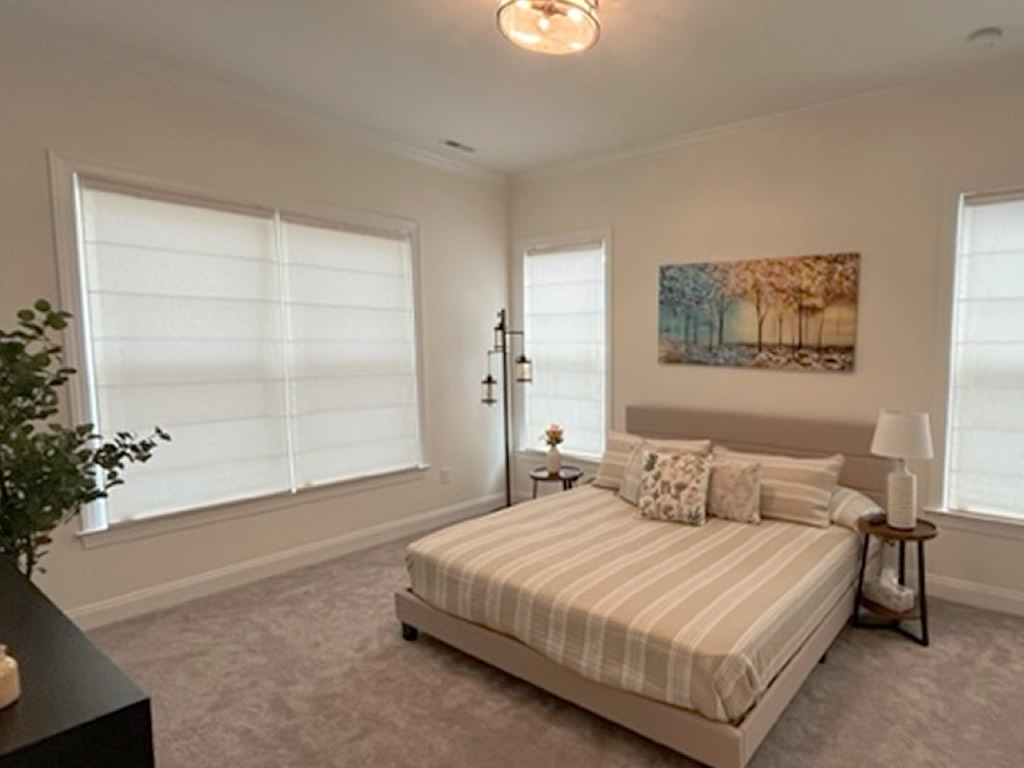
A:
(279, 352)
(565, 328)
(985, 433)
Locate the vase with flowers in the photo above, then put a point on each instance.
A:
(553, 437)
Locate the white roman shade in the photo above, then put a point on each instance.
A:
(985, 442)
(565, 329)
(352, 352)
(279, 353)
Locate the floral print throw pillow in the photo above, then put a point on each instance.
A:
(674, 487)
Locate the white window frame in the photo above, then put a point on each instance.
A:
(64, 179)
(936, 502)
(524, 445)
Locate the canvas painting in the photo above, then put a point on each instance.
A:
(797, 313)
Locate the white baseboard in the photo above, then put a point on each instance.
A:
(172, 593)
(978, 595)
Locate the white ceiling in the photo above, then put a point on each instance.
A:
(421, 71)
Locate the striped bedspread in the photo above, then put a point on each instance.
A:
(702, 618)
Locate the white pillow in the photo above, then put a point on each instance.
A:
(619, 446)
(848, 506)
(734, 491)
(795, 489)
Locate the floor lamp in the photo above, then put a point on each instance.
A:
(503, 337)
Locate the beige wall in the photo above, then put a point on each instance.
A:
(878, 175)
(120, 115)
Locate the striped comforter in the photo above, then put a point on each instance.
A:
(701, 618)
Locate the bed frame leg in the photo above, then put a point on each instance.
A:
(409, 632)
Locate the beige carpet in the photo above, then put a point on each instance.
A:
(308, 669)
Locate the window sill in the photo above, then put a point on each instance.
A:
(995, 526)
(539, 455)
(144, 528)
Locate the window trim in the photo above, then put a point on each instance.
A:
(954, 193)
(65, 174)
(523, 446)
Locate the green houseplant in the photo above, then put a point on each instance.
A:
(48, 470)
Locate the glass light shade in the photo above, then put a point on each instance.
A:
(499, 338)
(489, 390)
(524, 369)
(555, 27)
(902, 435)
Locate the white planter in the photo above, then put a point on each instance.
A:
(554, 460)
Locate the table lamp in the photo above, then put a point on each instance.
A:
(902, 435)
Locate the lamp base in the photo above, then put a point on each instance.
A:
(901, 507)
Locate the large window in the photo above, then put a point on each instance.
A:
(279, 352)
(985, 441)
(565, 329)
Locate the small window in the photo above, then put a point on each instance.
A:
(565, 329)
(280, 353)
(985, 440)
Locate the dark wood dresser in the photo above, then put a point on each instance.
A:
(76, 709)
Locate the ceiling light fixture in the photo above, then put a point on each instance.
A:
(554, 27)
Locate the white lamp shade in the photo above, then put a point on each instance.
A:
(902, 435)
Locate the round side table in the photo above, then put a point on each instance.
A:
(877, 526)
(567, 476)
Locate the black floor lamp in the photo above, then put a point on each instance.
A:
(503, 337)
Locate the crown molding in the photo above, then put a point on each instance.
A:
(51, 41)
(1007, 65)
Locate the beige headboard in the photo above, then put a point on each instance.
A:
(771, 434)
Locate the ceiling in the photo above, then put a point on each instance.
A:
(418, 72)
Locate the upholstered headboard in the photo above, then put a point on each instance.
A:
(771, 434)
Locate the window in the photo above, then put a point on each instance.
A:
(985, 440)
(565, 330)
(279, 352)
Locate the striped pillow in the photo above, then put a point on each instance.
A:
(619, 446)
(848, 506)
(794, 489)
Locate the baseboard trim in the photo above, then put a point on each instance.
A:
(172, 593)
(978, 595)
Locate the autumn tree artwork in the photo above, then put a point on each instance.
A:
(797, 313)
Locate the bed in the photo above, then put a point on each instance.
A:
(694, 637)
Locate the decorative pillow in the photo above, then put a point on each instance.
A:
(734, 491)
(619, 446)
(674, 487)
(848, 506)
(634, 472)
(794, 489)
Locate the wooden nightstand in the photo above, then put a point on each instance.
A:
(567, 476)
(876, 526)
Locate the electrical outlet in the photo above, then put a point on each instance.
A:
(446, 475)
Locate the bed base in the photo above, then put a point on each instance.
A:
(717, 744)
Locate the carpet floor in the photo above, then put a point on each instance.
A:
(308, 669)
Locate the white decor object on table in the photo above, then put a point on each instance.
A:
(10, 682)
(554, 460)
(902, 435)
(554, 435)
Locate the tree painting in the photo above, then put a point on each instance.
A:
(795, 313)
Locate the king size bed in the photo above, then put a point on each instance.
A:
(694, 636)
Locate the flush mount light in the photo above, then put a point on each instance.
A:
(555, 27)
